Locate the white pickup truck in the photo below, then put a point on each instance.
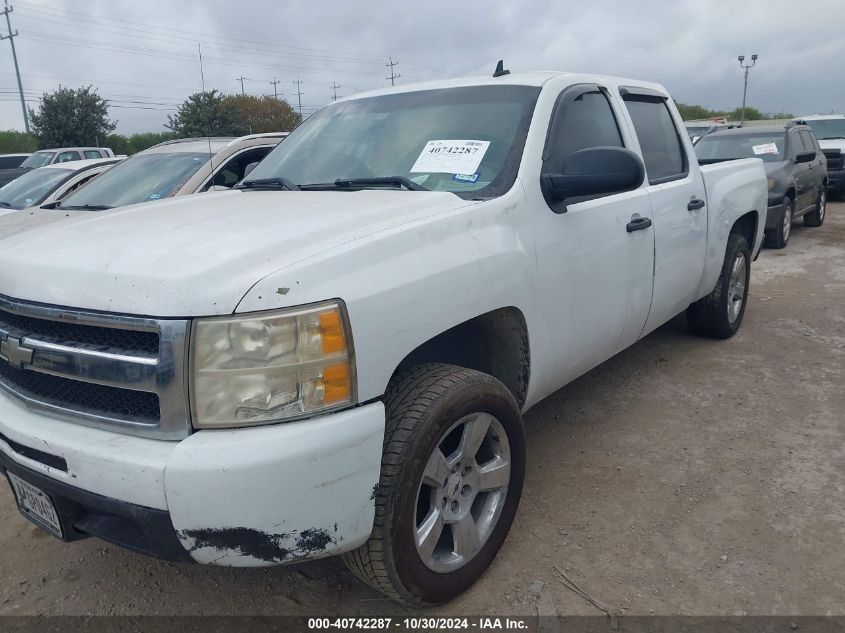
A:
(335, 358)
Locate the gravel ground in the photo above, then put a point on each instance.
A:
(683, 476)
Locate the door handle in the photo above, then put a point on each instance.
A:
(695, 204)
(638, 224)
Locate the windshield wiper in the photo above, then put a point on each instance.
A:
(363, 183)
(269, 183)
(52, 205)
(88, 207)
(5, 205)
(410, 185)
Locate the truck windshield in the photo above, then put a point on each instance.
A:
(714, 148)
(31, 188)
(142, 178)
(828, 128)
(38, 159)
(467, 141)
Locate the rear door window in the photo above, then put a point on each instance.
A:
(92, 153)
(660, 142)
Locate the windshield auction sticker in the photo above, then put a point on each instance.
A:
(767, 148)
(450, 157)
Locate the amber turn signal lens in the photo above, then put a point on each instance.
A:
(336, 386)
(331, 328)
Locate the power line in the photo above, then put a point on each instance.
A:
(11, 37)
(390, 64)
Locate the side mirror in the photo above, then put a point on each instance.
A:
(805, 157)
(249, 168)
(595, 171)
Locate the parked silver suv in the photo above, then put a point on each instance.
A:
(175, 168)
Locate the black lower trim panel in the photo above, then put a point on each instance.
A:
(83, 514)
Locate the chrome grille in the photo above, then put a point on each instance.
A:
(122, 373)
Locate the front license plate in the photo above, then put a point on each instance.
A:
(36, 505)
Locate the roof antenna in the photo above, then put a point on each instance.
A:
(500, 69)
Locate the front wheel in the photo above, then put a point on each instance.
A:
(719, 314)
(816, 216)
(779, 236)
(451, 479)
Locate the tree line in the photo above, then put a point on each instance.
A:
(70, 117)
(697, 113)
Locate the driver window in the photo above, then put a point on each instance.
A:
(233, 171)
(585, 121)
(65, 157)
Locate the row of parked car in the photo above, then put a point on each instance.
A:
(804, 161)
(55, 178)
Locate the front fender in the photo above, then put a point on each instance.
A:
(405, 285)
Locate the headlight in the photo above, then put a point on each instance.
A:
(771, 183)
(262, 368)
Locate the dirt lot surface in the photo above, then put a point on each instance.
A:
(684, 476)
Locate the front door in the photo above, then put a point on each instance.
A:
(596, 275)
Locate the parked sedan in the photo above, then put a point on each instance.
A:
(795, 166)
(175, 168)
(50, 184)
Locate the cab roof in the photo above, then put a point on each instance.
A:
(535, 78)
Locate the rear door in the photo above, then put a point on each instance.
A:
(596, 276)
(678, 203)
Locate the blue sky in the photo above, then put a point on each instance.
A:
(142, 55)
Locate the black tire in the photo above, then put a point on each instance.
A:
(816, 216)
(709, 316)
(779, 236)
(422, 404)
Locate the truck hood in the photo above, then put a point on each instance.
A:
(196, 255)
(833, 143)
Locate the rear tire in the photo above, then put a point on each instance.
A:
(779, 236)
(719, 314)
(435, 411)
(816, 217)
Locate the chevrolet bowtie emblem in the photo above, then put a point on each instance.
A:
(12, 350)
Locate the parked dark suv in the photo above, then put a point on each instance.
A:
(795, 165)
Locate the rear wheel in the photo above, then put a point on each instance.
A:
(816, 217)
(720, 313)
(779, 236)
(452, 474)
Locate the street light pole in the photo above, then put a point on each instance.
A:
(746, 67)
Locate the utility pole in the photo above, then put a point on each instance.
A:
(299, 93)
(334, 90)
(11, 37)
(741, 59)
(275, 84)
(241, 79)
(393, 76)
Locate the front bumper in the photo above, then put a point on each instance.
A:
(243, 497)
(84, 514)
